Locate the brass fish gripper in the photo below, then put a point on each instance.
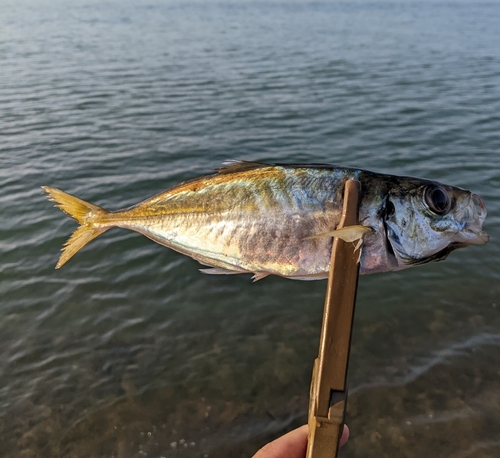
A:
(328, 395)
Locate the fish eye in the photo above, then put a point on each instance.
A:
(437, 200)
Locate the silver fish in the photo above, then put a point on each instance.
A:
(279, 219)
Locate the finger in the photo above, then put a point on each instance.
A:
(345, 436)
(292, 444)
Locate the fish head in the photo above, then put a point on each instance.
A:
(428, 220)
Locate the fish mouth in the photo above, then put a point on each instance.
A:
(474, 237)
(473, 218)
(480, 207)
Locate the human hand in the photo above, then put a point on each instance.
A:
(292, 444)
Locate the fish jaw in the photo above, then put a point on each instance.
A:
(465, 224)
(472, 220)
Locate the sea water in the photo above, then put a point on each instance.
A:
(128, 350)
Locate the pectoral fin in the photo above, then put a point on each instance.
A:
(348, 234)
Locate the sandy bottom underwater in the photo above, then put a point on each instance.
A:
(443, 405)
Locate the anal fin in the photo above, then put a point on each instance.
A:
(259, 276)
(221, 271)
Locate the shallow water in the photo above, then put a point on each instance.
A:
(128, 350)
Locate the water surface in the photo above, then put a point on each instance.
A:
(128, 350)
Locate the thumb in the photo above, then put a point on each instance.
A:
(292, 444)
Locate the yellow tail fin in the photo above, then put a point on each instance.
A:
(91, 218)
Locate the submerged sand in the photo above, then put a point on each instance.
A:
(445, 403)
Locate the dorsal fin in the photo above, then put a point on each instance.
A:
(234, 166)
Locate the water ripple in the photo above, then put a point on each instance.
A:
(115, 102)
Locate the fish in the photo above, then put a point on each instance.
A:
(280, 219)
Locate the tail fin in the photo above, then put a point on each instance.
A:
(89, 216)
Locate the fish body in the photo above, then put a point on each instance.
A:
(278, 219)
